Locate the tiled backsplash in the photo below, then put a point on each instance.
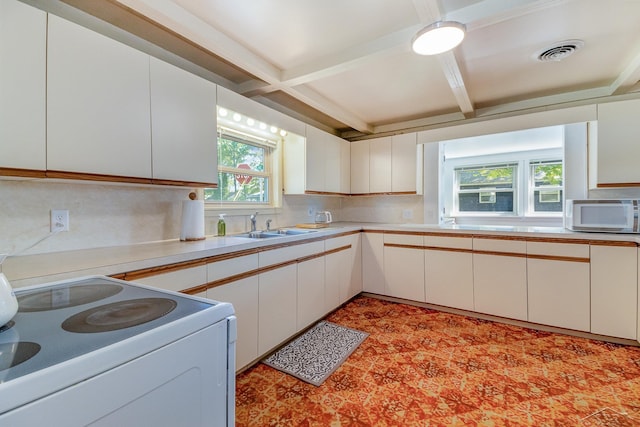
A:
(111, 215)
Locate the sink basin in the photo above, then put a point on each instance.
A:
(275, 233)
(261, 234)
(294, 231)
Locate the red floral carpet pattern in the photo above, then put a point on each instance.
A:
(421, 367)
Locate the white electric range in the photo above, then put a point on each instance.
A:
(100, 351)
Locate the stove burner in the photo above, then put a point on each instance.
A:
(119, 315)
(67, 296)
(14, 353)
(7, 326)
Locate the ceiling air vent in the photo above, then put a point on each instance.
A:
(560, 50)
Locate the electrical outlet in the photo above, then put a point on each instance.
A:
(59, 220)
(310, 211)
(407, 214)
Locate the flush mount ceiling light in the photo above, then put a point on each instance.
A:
(438, 37)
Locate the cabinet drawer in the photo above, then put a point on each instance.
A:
(289, 253)
(448, 242)
(177, 280)
(231, 267)
(338, 242)
(403, 239)
(572, 250)
(499, 245)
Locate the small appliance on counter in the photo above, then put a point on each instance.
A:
(106, 352)
(323, 217)
(602, 216)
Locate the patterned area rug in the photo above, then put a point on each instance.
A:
(317, 353)
(426, 368)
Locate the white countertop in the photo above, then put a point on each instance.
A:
(34, 269)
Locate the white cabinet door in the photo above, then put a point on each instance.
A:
(178, 280)
(614, 290)
(558, 284)
(98, 114)
(448, 276)
(373, 262)
(380, 165)
(23, 41)
(404, 163)
(243, 295)
(315, 160)
(500, 277)
(617, 144)
(277, 314)
(345, 166)
(332, 164)
(360, 167)
(183, 119)
(318, 164)
(311, 292)
(343, 270)
(404, 266)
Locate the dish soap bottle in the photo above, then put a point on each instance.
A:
(222, 227)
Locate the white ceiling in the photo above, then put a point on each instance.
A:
(348, 66)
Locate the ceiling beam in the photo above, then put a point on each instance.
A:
(628, 78)
(429, 11)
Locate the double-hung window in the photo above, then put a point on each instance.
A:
(504, 176)
(245, 170)
(486, 188)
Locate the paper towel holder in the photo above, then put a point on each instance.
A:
(192, 219)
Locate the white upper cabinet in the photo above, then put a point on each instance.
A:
(97, 104)
(391, 164)
(319, 164)
(360, 167)
(183, 123)
(616, 148)
(380, 165)
(23, 41)
(406, 164)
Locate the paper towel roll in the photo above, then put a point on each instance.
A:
(192, 220)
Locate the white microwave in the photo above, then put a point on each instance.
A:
(604, 216)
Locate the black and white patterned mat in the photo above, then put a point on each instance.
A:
(317, 353)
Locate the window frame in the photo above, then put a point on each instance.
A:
(271, 171)
(523, 207)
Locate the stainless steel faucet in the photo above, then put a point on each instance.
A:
(253, 221)
(269, 224)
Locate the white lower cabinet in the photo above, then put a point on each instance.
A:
(448, 271)
(404, 266)
(500, 277)
(277, 314)
(243, 295)
(343, 270)
(559, 284)
(614, 290)
(311, 291)
(373, 262)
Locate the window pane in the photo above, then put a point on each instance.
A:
(477, 202)
(547, 174)
(493, 187)
(486, 177)
(236, 154)
(547, 201)
(239, 188)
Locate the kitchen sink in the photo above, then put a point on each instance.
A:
(261, 234)
(275, 233)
